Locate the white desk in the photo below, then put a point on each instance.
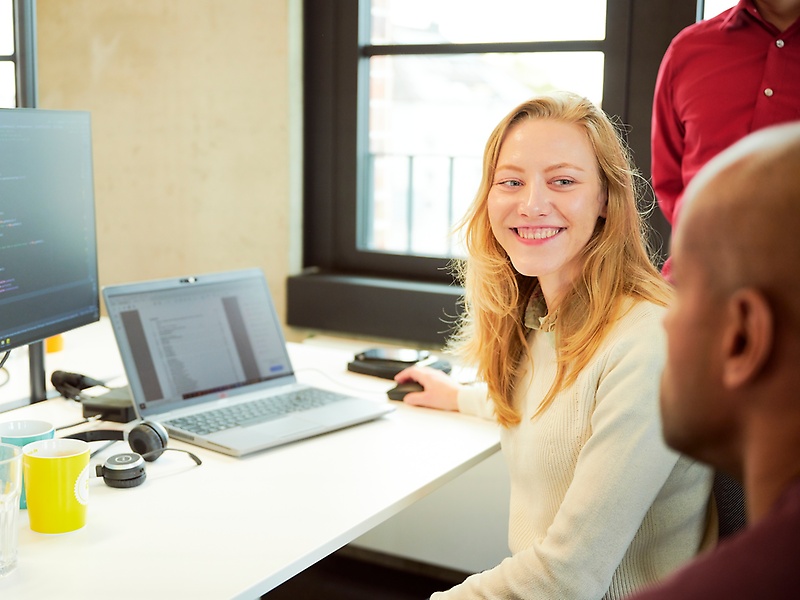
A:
(236, 528)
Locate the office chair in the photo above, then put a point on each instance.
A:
(731, 510)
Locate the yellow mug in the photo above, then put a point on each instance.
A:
(56, 476)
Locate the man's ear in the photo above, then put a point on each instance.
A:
(748, 337)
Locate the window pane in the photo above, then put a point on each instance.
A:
(6, 28)
(430, 117)
(479, 21)
(8, 85)
(711, 8)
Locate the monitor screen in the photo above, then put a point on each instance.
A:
(48, 247)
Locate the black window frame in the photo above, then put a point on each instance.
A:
(346, 290)
(24, 54)
(25, 59)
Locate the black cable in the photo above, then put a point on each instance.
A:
(339, 382)
(158, 452)
(103, 447)
(87, 420)
(5, 358)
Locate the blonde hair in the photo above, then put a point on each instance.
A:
(616, 266)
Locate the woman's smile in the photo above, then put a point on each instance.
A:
(538, 233)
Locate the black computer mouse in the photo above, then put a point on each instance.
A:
(399, 391)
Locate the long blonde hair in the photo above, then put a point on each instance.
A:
(616, 266)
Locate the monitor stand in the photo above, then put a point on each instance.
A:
(37, 373)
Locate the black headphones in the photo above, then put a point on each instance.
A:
(70, 385)
(148, 440)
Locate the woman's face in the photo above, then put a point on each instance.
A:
(545, 200)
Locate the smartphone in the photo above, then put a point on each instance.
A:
(403, 355)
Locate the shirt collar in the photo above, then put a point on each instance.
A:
(536, 315)
(741, 14)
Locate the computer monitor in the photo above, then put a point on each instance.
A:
(48, 245)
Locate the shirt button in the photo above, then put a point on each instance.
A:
(768, 92)
(779, 43)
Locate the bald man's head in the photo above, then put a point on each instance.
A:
(733, 329)
(741, 217)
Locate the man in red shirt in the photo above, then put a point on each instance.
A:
(719, 80)
(730, 390)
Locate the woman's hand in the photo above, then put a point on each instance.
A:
(440, 390)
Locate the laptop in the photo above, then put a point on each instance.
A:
(195, 348)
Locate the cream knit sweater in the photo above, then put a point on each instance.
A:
(599, 505)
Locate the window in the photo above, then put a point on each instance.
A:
(17, 62)
(436, 78)
(711, 8)
(400, 98)
(8, 68)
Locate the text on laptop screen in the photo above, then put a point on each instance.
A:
(198, 339)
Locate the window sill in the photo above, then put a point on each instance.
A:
(373, 306)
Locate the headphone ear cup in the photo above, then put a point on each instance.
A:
(148, 439)
(122, 470)
(125, 483)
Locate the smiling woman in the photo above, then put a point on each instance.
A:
(545, 201)
(563, 322)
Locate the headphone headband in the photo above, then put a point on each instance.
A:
(97, 435)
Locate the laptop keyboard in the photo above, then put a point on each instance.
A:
(255, 411)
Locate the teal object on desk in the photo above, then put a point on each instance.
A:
(22, 432)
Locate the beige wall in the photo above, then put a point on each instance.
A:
(196, 115)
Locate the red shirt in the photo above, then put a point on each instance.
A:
(720, 80)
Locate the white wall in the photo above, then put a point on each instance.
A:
(197, 121)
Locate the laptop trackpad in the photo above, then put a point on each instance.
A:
(287, 426)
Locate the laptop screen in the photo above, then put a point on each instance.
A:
(185, 341)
